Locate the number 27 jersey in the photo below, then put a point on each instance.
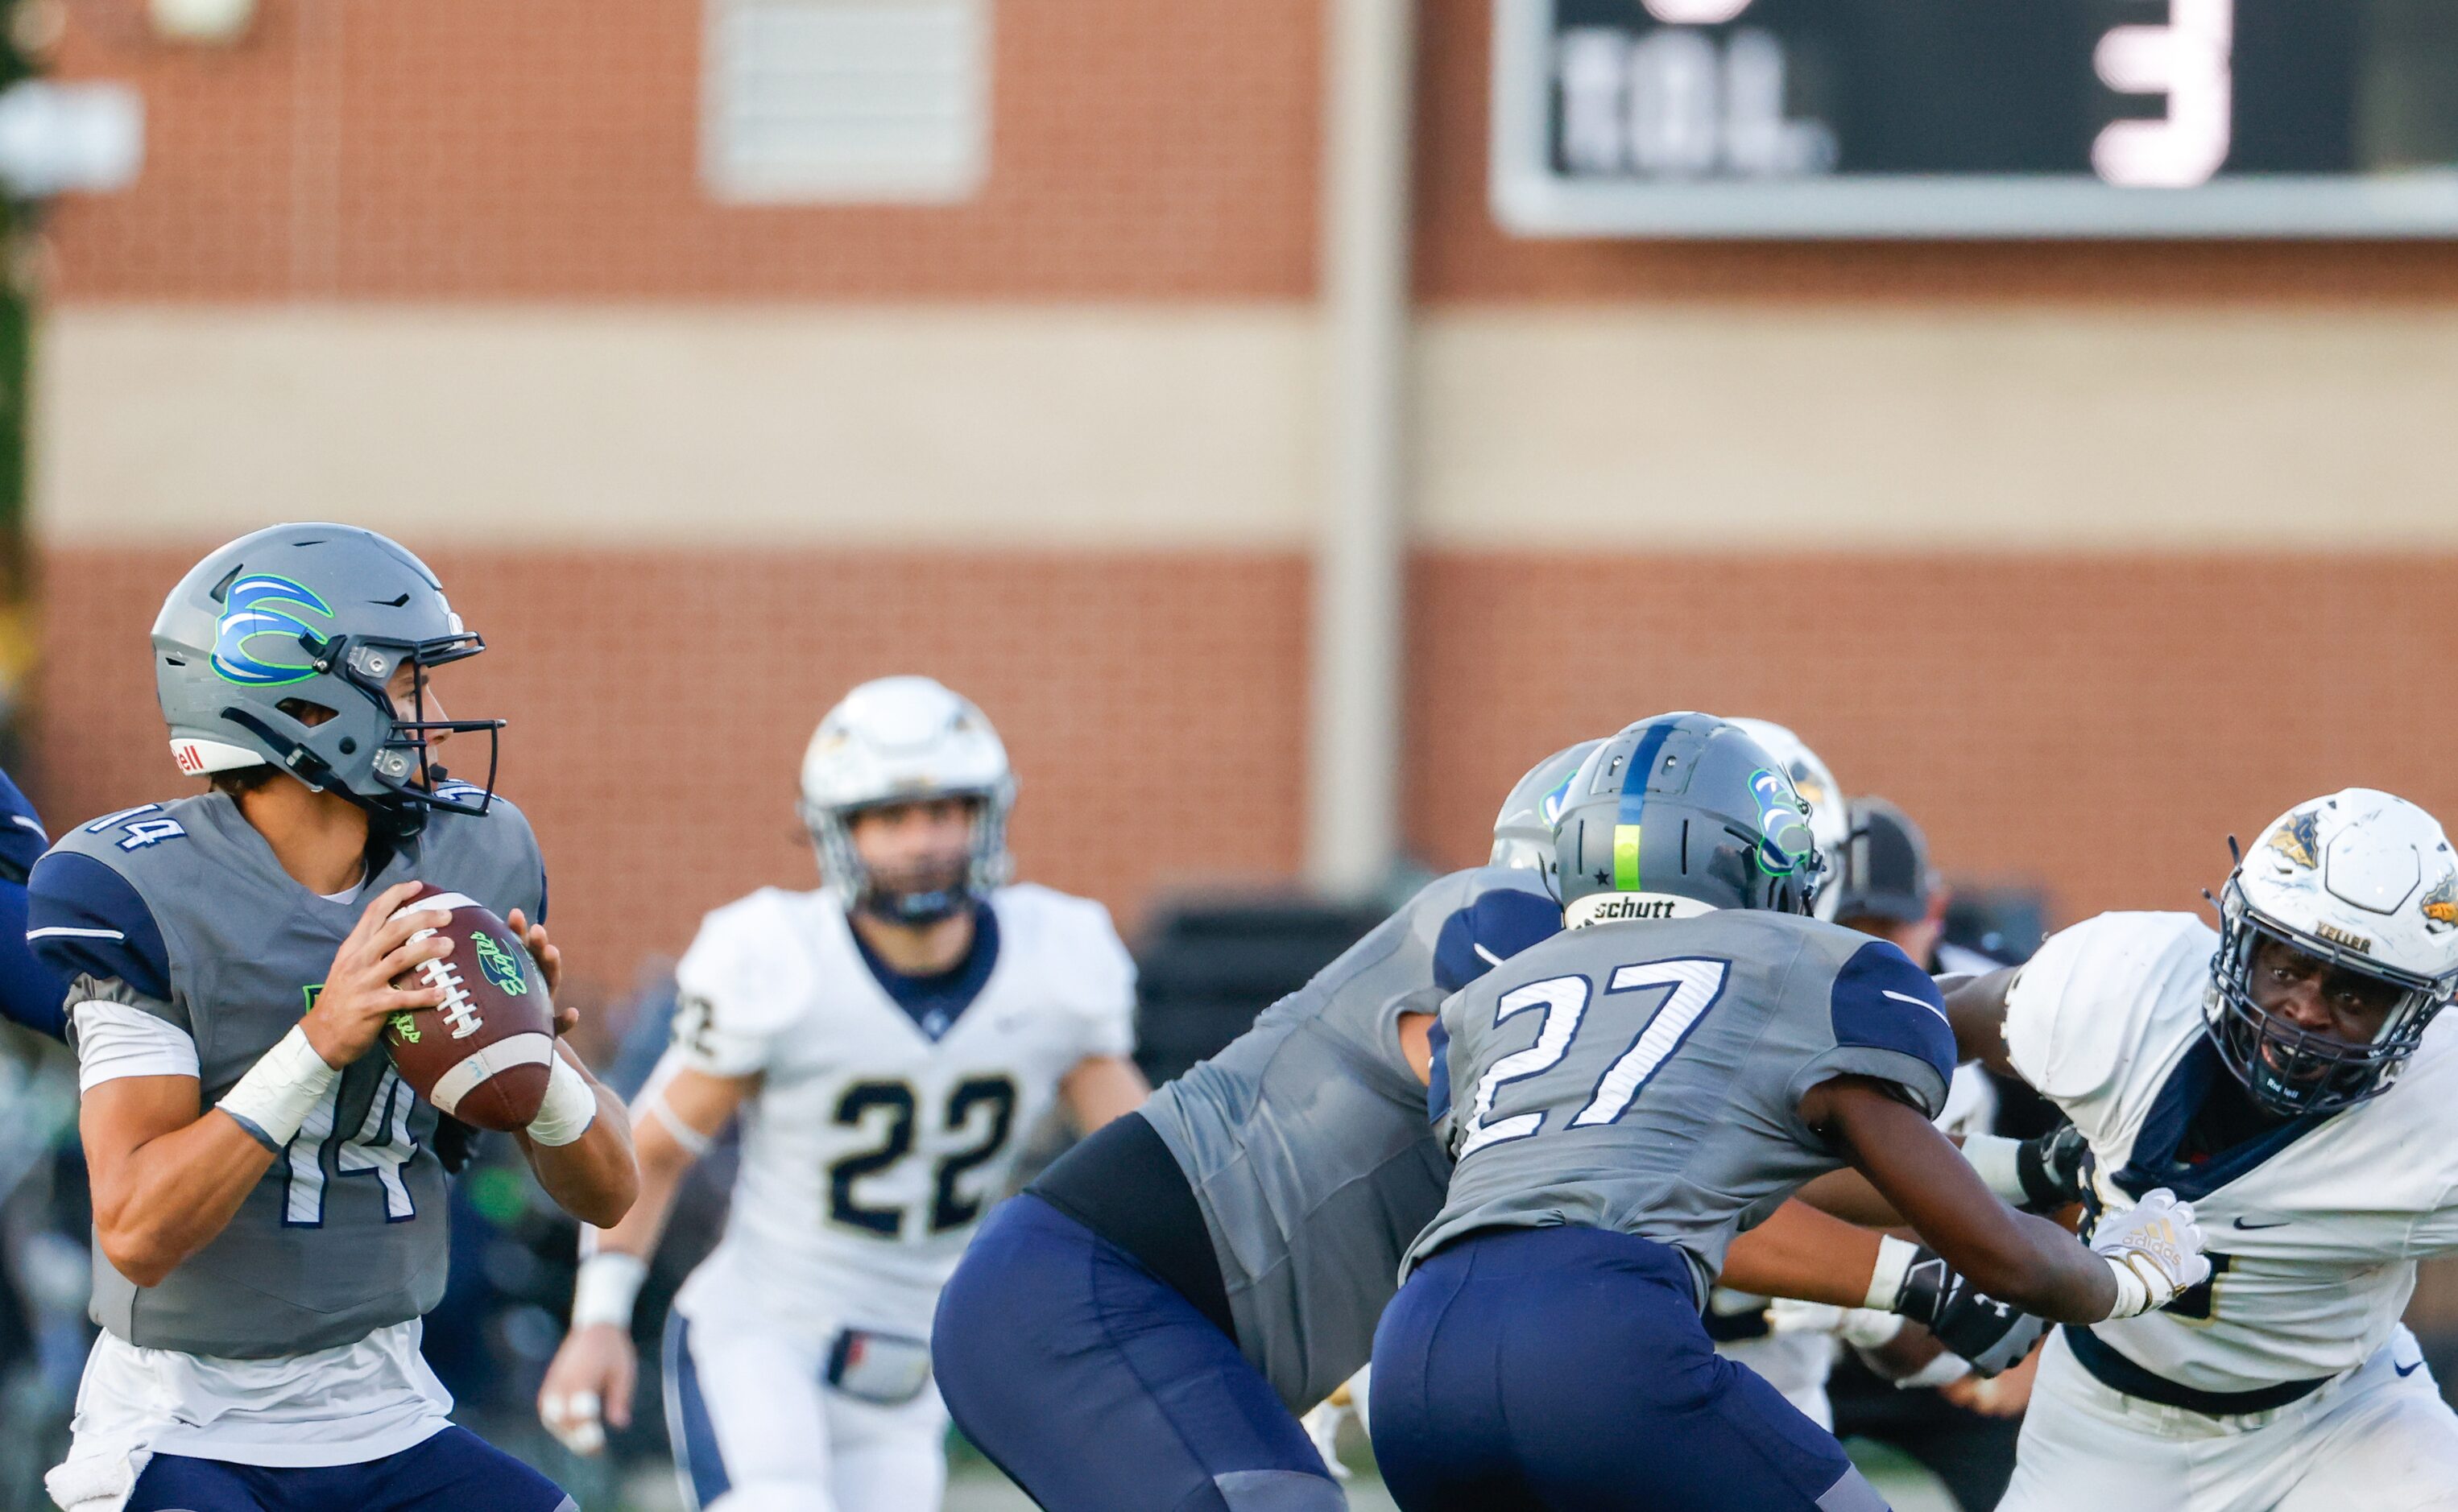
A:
(872, 1148)
(1645, 1077)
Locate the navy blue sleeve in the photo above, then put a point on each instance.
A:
(1438, 1078)
(22, 840)
(1489, 931)
(83, 919)
(31, 992)
(1881, 1002)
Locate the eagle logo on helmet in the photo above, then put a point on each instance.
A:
(264, 605)
(2441, 904)
(2299, 838)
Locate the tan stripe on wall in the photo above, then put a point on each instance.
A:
(1731, 427)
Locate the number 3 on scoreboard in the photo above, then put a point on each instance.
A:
(2190, 60)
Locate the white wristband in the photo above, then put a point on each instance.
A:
(2132, 1294)
(607, 1287)
(1946, 1368)
(1895, 1258)
(569, 1107)
(278, 1092)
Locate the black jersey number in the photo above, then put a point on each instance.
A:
(985, 1100)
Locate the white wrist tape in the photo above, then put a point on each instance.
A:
(607, 1287)
(2132, 1294)
(569, 1107)
(1866, 1328)
(1895, 1258)
(277, 1092)
(1946, 1368)
(1998, 1161)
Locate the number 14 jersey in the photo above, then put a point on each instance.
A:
(874, 1145)
(1645, 1076)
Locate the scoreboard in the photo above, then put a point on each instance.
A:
(1976, 117)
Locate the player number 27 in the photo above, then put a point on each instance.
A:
(1694, 983)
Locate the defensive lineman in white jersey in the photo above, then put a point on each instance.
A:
(890, 1040)
(2253, 1071)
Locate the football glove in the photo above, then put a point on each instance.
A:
(2156, 1250)
(2053, 1169)
(1990, 1333)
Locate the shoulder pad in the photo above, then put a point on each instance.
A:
(22, 838)
(749, 964)
(1491, 925)
(84, 919)
(1078, 931)
(1881, 1001)
(2078, 1009)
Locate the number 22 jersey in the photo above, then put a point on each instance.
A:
(1645, 1076)
(876, 1140)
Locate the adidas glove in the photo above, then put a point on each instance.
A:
(2155, 1249)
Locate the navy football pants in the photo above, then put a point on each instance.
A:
(1098, 1388)
(455, 1471)
(1565, 1369)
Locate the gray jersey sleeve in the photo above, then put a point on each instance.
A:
(1305, 1141)
(1646, 1077)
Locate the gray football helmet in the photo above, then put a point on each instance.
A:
(1677, 816)
(322, 615)
(1523, 832)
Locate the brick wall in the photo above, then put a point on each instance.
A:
(660, 703)
(2101, 724)
(390, 149)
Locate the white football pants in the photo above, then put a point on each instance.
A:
(789, 1444)
(2375, 1439)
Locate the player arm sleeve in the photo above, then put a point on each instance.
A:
(1106, 1005)
(86, 925)
(1888, 1023)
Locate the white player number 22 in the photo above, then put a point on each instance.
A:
(1694, 981)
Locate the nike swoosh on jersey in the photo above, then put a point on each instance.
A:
(2407, 1370)
(1919, 1003)
(2252, 1226)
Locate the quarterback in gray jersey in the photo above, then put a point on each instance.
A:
(1195, 1274)
(230, 960)
(1625, 1098)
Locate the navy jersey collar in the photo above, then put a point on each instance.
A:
(2153, 1161)
(935, 1003)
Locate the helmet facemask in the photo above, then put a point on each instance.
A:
(409, 782)
(928, 893)
(2289, 1070)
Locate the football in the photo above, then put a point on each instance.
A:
(484, 1053)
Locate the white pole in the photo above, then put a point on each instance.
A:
(1353, 786)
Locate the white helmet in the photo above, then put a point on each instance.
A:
(901, 740)
(1831, 819)
(2368, 882)
(1523, 832)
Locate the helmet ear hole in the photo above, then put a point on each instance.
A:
(310, 715)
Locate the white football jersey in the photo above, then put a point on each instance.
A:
(2313, 1232)
(871, 1150)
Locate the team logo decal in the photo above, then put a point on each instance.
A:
(498, 966)
(2299, 838)
(1549, 808)
(1783, 819)
(259, 606)
(2441, 904)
